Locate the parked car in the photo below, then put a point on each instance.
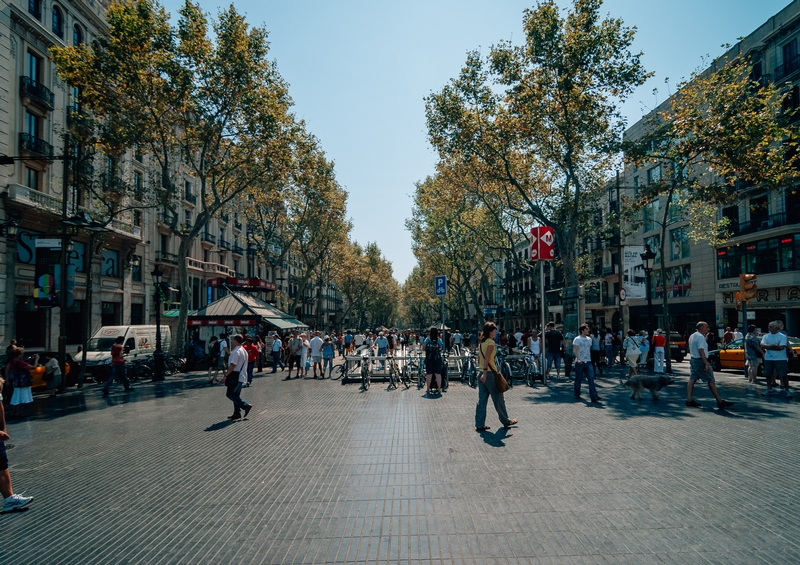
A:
(677, 346)
(73, 368)
(731, 356)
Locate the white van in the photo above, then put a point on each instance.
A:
(140, 342)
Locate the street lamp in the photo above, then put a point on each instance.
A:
(648, 259)
(158, 356)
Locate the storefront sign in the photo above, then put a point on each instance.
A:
(228, 322)
(248, 283)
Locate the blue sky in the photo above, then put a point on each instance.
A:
(359, 70)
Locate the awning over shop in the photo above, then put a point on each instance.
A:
(175, 312)
(242, 309)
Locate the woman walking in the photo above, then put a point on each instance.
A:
(52, 374)
(632, 353)
(486, 383)
(17, 370)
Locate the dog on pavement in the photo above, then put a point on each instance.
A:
(653, 383)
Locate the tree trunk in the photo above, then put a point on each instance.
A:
(87, 324)
(186, 293)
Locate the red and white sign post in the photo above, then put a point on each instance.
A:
(542, 249)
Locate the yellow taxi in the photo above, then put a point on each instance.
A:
(731, 356)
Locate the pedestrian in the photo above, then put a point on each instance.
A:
(315, 346)
(277, 346)
(582, 351)
(737, 334)
(659, 342)
(727, 337)
(11, 501)
(595, 351)
(487, 382)
(261, 350)
(382, 344)
(236, 377)
(700, 367)
(221, 355)
(753, 353)
(535, 347)
(568, 353)
(608, 342)
(644, 348)
(295, 345)
(213, 359)
(304, 358)
(553, 343)
(252, 357)
(118, 369)
(457, 339)
(52, 374)
(18, 371)
(327, 356)
(776, 360)
(433, 347)
(632, 353)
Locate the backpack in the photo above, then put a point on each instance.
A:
(215, 349)
(433, 351)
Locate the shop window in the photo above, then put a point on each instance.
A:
(75, 322)
(31, 330)
(679, 244)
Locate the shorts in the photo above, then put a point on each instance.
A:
(3, 458)
(316, 358)
(698, 371)
(433, 367)
(294, 360)
(753, 361)
(220, 362)
(553, 358)
(777, 368)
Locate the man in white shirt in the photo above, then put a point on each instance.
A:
(359, 339)
(277, 344)
(518, 338)
(235, 377)
(737, 334)
(776, 361)
(315, 345)
(582, 348)
(700, 367)
(457, 338)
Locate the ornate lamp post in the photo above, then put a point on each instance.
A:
(158, 356)
(648, 259)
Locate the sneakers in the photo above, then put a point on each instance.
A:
(15, 502)
(724, 404)
(693, 404)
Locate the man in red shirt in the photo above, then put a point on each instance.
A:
(252, 357)
(117, 367)
(727, 337)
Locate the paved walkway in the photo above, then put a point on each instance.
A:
(321, 473)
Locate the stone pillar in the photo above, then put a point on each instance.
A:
(8, 291)
(127, 287)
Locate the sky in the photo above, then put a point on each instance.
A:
(359, 70)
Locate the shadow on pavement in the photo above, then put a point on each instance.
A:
(219, 425)
(496, 439)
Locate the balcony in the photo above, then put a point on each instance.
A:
(166, 218)
(165, 257)
(765, 223)
(787, 68)
(609, 301)
(225, 218)
(34, 145)
(226, 245)
(217, 269)
(33, 198)
(237, 225)
(190, 198)
(85, 169)
(36, 92)
(252, 250)
(78, 119)
(237, 249)
(607, 271)
(209, 238)
(114, 185)
(126, 228)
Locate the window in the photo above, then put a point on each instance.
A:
(32, 124)
(137, 186)
(759, 209)
(110, 266)
(732, 214)
(137, 218)
(654, 175)
(109, 314)
(679, 244)
(32, 178)
(650, 216)
(77, 35)
(677, 205)
(34, 67)
(137, 314)
(58, 22)
(790, 52)
(655, 245)
(35, 8)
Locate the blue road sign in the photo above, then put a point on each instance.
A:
(441, 285)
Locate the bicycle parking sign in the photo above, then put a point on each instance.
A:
(441, 285)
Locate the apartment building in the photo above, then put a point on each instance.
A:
(36, 108)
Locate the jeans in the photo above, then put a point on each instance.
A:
(233, 393)
(485, 390)
(581, 370)
(327, 362)
(276, 360)
(117, 372)
(250, 366)
(382, 353)
(658, 360)
(609, 355)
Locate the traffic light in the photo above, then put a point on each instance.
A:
(739, 301)
(747, 286)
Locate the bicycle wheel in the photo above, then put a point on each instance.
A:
(338, 371)
(529, 375)
(364, 377)
(473, 377)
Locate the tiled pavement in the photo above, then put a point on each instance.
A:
(321, 473)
